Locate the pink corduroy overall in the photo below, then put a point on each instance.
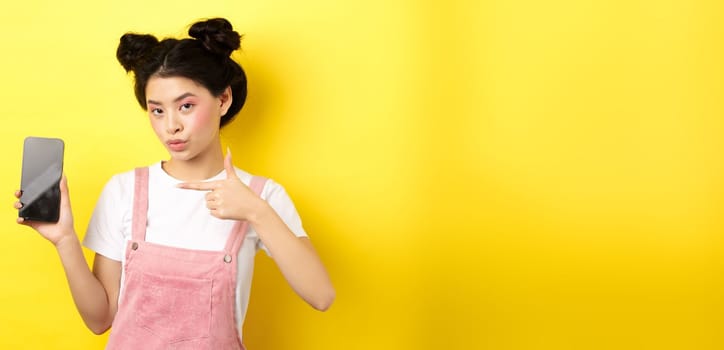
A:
(175, 298)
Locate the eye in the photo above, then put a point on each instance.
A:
(186, 107)
(156, 111)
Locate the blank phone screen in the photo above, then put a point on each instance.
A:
(42, 170)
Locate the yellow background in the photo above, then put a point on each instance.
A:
(475, 174)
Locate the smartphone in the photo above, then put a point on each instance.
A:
(40, 181)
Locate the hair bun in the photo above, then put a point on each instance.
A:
(216, 35)
(132, 49)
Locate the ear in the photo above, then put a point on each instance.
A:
(226, 99)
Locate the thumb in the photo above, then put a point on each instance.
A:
(63, 184)
(64, 197)
(229, 166)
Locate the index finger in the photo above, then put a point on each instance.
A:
(199, 186)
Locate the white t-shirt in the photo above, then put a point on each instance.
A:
(179, 218)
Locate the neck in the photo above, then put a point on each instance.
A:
(201, 167)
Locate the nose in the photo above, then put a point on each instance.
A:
(173, 124)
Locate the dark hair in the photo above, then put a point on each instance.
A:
(203, 58)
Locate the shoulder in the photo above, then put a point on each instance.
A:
(119, 183)
(124, 179)
(123, 183)
(271, 188)
(276, 195)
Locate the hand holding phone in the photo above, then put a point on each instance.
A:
(40, 183)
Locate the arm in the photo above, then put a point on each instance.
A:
(297, 260)
(95, 293)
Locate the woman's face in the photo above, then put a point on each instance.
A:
(185, 116)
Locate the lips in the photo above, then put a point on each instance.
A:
(176, 145)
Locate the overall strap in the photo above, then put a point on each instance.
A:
(140, 205)
(236, 238)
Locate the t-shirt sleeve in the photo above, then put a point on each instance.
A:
(279, 200)
(105, 233)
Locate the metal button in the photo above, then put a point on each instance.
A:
(134, 246)
(227, 258)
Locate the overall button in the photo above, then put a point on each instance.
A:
(227, 258)
(134, 246)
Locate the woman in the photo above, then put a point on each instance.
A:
(175, 241)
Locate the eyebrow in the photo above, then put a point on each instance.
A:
(174, 100)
